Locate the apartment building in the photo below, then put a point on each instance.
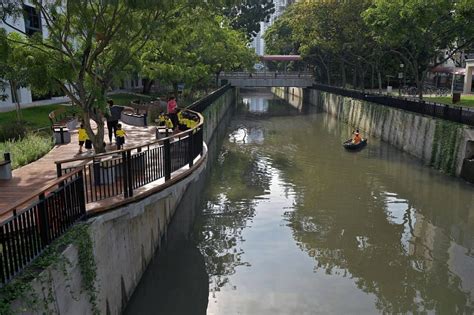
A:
(30, 23)
(258, 42)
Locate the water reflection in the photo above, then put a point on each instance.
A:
(384, 233)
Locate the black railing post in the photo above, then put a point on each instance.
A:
(167, 149)
(43, 220)
(129, 173)
(125, 174)
(7, 157)
(59, 171)
(191, 148)
(81, 192)
(61, 133)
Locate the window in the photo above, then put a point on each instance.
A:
(32, 20)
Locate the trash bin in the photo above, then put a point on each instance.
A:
(456, 97)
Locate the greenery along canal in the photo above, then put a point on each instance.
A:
(293, 224)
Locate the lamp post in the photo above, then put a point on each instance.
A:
(400, 77)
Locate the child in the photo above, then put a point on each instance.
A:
(162, 119)
(120, 136)
(83, 137)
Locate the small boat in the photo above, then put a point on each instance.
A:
(351, 146)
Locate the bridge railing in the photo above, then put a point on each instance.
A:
(267, 75)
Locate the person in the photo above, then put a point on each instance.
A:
(172, 107)
(120, 136)
(83, 137)
(162, 119)
(113, 115)
(357, 138)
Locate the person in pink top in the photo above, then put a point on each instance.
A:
(172, 107)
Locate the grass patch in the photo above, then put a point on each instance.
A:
(34, 117)
(125, 99)
(32, 147)
(466, 100)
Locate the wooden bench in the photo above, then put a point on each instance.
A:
(61, 118)
(6, 167)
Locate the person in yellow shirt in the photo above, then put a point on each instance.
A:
(120, 136)
(83, 137)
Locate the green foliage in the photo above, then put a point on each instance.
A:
(247, 15)
(29, 149)
(196, 45)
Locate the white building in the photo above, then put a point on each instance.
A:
(258, 43)
(30, 23)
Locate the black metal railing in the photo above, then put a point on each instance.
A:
(54, 209)
(27, 232)
(457, 114)
(120, 173)
(203, 103)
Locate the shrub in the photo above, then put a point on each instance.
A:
(32, 147)
(12, 131)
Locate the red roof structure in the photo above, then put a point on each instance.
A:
(450, 70)
(280, 58)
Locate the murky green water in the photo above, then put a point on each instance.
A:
(294, 224)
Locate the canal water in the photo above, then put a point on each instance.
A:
(291, 223)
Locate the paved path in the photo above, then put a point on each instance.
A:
(38, 174)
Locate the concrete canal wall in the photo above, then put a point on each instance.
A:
(123, 242)
(438, 143)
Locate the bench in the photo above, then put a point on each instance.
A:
(61, 118)
(6, 167)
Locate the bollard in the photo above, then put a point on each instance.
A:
(7, 157)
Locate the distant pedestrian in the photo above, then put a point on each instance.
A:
(113, 116)
(83, 137)
(120, 136)
(172, 107)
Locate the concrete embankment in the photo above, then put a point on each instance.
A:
(123, 240)
(438, 143)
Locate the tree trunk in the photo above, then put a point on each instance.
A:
(15, 99)
(97, 139)
(175, 89)
(372, 77)
(147, 86)
(343, 74)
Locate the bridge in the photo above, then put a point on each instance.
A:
(268, 79)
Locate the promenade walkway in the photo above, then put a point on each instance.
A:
(32, 177)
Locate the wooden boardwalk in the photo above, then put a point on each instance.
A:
(34, 176)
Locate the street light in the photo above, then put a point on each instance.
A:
(400, 77)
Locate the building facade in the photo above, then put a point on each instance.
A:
(258, 42)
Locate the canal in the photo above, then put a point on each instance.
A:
(291, 223)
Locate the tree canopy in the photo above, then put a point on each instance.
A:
(368, 39)
(90, 44)
(247, 15)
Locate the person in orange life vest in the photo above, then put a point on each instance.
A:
(357, 137)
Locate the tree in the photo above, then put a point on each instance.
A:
(247, 15)
(87, 47)
(207, 45)
(14, 70)
(423, 34)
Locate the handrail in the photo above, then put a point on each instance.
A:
(159, 141)
(458, 114)
(40, 191)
